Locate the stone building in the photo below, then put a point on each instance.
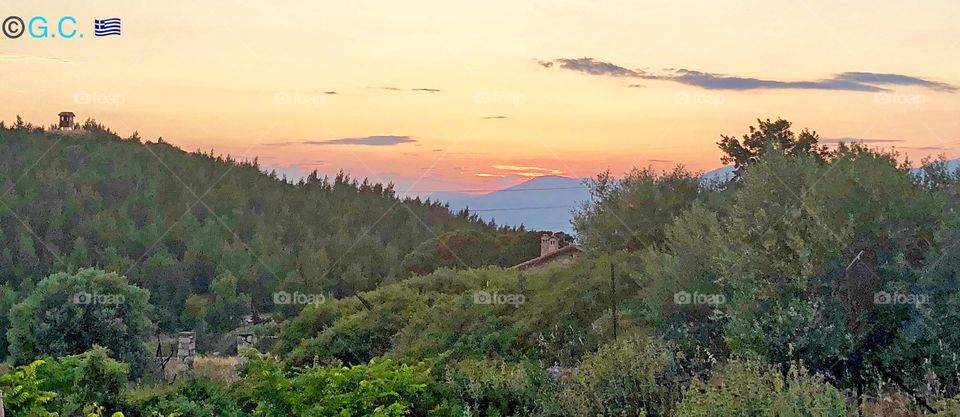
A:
(553, 250)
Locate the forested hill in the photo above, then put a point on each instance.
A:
(199, 227)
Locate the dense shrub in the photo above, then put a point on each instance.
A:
(92, 377)
(752, 389)
(376, 389)
(493, 387)
(68, 314)
(631, 213)
(948, 408)
(23, 394)
(197, 397)
(631, 377)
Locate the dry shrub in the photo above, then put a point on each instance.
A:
(220, 369)
(891, 404)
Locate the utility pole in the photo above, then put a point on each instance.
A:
(613, 299)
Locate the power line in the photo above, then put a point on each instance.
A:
(497, 191)
(521, 208)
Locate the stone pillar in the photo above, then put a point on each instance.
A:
(544, 244)
(186, 350)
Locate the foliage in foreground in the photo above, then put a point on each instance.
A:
(66, 386)
(23, 394)
(195, 397)
(379, 389)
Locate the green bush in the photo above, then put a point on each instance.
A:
(644, 199)
(948, 408)
(493, 387)
(88, 378)
(66, 386)
(23, 394)
(630, 377)
(376, 389)
(68, 314)
(752, 389)
(197, 397)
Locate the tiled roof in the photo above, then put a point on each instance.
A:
(548, 257)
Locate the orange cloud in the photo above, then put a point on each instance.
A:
(528, 171)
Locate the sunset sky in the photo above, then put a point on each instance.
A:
(442, 95)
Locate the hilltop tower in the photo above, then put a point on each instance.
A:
(66, 121)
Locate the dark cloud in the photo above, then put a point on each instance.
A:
(635, 86)
(281, 144)
(893, 79)
(846, 81)
(494, 117)
(387, 140)
(868, 141)
(436, 150)
(422, 90)
(594, 67)
(834, 141)
(724, 82)
(330, 93)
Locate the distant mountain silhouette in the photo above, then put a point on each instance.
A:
(542, 203)
(546, 203)
(721, 174)
(952, 165)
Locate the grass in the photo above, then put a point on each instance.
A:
(221, 369)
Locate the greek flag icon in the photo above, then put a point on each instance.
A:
(106, 27)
